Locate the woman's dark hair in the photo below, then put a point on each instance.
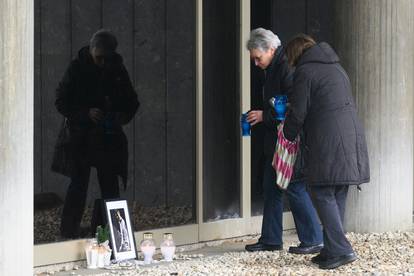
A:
(105, 40)
(297, 46)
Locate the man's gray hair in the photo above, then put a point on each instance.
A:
(262, 39)
(103, 39)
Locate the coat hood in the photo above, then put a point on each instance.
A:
(85, 56)
(320, 53)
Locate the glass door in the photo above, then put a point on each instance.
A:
(224, 156)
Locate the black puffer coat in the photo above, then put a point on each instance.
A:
(322, 104)
(86, 86)
(277, 81)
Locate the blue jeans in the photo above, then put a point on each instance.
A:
(305, 217)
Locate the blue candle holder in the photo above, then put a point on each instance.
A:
(280, 107)
(108, 123)
(245, 125)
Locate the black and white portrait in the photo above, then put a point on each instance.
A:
(120, 230)
(122, 239)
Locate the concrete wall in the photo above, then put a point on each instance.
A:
(375, 41)
(16, 137)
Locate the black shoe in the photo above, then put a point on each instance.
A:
(318, 259)
(303, 249)
(263, 247)
(334, 262)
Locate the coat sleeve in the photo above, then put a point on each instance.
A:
(299, 98)
(130, 99)
(64, 102)
(286, 77)
(287, 80)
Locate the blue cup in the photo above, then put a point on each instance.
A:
(280, 107)
(245, 126)
(108, 123)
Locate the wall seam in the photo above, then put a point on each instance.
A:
(166, 102)
(134, 85)
(41, 97)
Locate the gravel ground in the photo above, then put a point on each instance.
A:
(379, 254)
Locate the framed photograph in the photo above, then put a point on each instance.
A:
(122, 236)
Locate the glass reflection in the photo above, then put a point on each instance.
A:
(100, 141)
(96, 98)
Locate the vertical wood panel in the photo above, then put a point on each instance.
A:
(150, 136)
(55, 47)
(180, 35)
(86, 20)
(288, 18)
(320, 20)
(260, 14)
(118, 17)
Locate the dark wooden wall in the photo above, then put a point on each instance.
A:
(313, 17)
(157, 41)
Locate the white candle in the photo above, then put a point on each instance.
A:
(88, 255)
(90, 245)
(94, 258)
(101, 260)
(107, 258)
(148, 251)
(168, 252)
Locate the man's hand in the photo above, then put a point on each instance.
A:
(255, 117)
(96, 115)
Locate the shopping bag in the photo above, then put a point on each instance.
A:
(284, 158)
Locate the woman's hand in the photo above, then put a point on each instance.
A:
(96, 115)
(255, 117)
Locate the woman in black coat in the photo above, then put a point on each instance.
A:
(336, 152)
(97, 98)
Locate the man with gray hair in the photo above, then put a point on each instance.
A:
(96, 98)
(267, 53)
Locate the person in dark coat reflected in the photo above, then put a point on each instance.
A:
(97, 98)
(321, 104)
(266, 51)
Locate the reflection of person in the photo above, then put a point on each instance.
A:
(122, 233)
(266, 51)
(322, 105)
(97, 98)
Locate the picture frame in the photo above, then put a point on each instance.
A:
(120, 228)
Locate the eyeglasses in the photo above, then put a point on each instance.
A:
(257, 59)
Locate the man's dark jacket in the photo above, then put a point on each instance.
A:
(278, 81)
(322, 104)
(84, 143)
